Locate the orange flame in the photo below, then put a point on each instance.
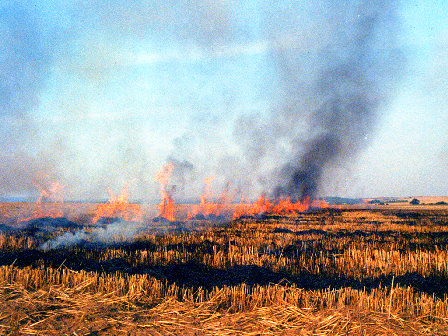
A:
(206, 207)
(277, 207)
(320, 203)
(50, 199)
(119, 207)
(166, 206)
(260, 206)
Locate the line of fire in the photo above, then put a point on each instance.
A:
(211, 207)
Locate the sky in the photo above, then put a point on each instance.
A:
(331, 98)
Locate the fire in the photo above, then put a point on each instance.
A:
(51, 198)
(264, 205)
(119, 207)
(260, 206)
(166, 206)
(207, 208)
(322, 204)
(49, 201)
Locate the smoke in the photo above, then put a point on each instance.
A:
(18, 171)
(183, 178)
(339, 85)
(336, 64)
(133, 83)
(119, 231)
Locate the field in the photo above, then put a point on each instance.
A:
(350, 271)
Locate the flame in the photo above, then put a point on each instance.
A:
(207, 207)
(260, 206)
(49, 201)
(321, 204)
(166, 206)
(241, 208)
(119, 207)
(264, 205)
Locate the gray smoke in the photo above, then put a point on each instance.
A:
(183, 177)
(335, 63)
(339, 84)
(119, 231)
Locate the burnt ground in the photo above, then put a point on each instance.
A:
(307, 242)
(192, 273)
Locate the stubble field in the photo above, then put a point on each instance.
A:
(350, 271)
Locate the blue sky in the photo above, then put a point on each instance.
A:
(101, 94)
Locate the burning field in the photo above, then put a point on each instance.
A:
(221, 267)
(194, 141)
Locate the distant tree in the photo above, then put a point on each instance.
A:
(414, 201)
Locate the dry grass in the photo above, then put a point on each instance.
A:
(84, 303)
(333, 272)
(83, 316)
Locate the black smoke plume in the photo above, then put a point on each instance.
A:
(350, 79)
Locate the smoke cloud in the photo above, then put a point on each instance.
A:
(119, 231)
(339, 84)
(129, 85)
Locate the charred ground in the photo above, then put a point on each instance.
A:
(373, 252)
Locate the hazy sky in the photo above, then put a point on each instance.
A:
(101, 94)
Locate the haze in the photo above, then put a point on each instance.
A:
(101, 94)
